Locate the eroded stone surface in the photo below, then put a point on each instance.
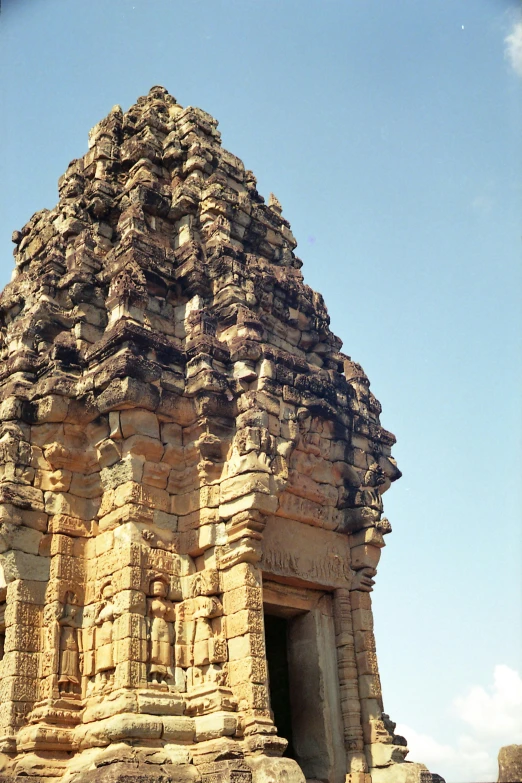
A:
(510, 763)
(177, 424)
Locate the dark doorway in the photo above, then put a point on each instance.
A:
(279, 682)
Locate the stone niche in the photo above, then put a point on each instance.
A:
(191, 480)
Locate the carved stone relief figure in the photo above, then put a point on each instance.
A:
(103, 639)
(160, 632)
(52, 614)
(70, 648)
(209, 649)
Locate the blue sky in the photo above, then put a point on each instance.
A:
(390, 132)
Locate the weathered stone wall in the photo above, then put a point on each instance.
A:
(176, 421)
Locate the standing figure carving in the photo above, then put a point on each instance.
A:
(70, 648)
(160, 633)
(103, 639)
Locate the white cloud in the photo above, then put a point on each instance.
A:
(424, 748)
(513, 47)
(491, 717)
(497, 713)
(461, 762)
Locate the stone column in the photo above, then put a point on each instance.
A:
(244, 628)
(349, 689)
(22, 616)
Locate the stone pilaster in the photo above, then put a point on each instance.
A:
(349, 688)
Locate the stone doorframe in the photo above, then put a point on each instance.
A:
(317, 721)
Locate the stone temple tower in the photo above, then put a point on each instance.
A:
(191, 484)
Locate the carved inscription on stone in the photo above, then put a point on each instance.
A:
(306, 553)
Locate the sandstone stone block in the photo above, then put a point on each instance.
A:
(362, 620)
(241, 485)
(178, 728)
(126, 393)
(131, 492)
(86, 486)
(408, 772)
(116, 703)
(364, 640)
(370, 710)
(255, 501)
(18, 688)
(228, 771)
(130, 601)
(303, 510)
(20, 613)
(124, 726)
(137, 421)
(71, 505)
(70, 526)
(247, 597)
(122, 471)
(160, 703)
(22, 496)
(252, 696)
(203, 498)
(22, 538)
(52, 408)
(37, 520)
(249, 644)
(109, 452)
(10, 409)
(14, 714)
(20, 663)
(55, 480)
(266, 770)
(360, 600)
(205, 537)
(140, 773)
(156, 474)
(241, 575)
(247, 670)
(151, 449)
(217, 724)
(306, 487)
(242, 622)
(21, 565)
(369, 686)
(22, 637)
(165, 521)
(131, 674)
(369, 536)
(176, 407)
(45, 738)
(365, 556)
(130, 625)
(367, 662)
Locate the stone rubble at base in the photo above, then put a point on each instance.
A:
(182, 442)
(510, 764)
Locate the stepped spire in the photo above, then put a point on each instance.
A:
(186, 457)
